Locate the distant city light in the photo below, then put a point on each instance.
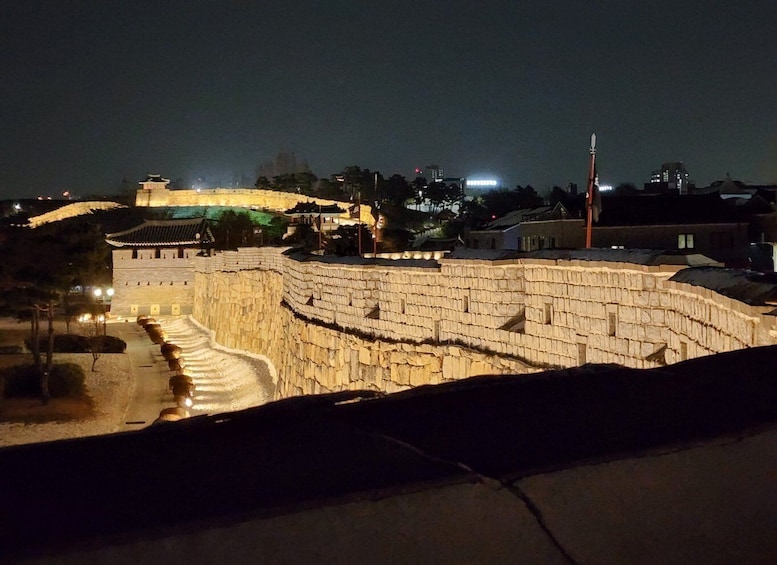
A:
(605, 187)
(482, 182)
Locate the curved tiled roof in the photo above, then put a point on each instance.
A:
(161, 233)
(314, 208)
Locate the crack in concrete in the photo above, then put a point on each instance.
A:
(654, 453)
(493, 482)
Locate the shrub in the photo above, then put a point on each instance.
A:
(68, 343)
(11, 349)
(66, 380)
(143, 321)
(72, 343)
(113, 344)
(170, 351)
(156, 333)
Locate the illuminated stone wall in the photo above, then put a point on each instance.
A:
(147, 284)
(239, 197)
(72, 210)
(329, 325)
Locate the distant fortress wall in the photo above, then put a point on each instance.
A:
(330, 325)
(239, 197)
(72, 210)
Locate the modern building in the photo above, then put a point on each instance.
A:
(503, 233)
(561, 227)
(671, 176)
(699, 224)
(435, 173)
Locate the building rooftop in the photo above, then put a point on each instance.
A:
(315, 209)
(163, 233)
(155, 178)
(514, 218)
(750, 287)
(633, 256)
(663, 209)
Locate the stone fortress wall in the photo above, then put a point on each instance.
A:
(160, 281)
(237, 197)
(145, 284)
(330, 325)
(71, 210)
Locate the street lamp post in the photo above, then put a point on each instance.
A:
(98, 293)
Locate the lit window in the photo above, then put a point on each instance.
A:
(685, 241)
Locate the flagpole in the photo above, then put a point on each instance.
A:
(375, 228)
(590, 194)
(359, 219)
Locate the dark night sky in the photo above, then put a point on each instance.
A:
(94, 91)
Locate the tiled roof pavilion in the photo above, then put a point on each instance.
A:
(163, 233)
(306, 208)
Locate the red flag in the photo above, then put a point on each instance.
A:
(596, 201)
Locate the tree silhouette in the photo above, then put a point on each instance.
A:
(527, 197)
(398, 190)
(234, 229)
(344, 241)
(40, 267)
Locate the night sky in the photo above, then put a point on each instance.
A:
(96, 91)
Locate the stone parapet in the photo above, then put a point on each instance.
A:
(329, 325)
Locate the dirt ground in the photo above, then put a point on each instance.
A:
(13, 334)
(32, 410)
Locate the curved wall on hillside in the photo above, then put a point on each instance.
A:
(334, 324)
(71, 210)
(237, 197)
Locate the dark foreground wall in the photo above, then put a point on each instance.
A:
(598, 464)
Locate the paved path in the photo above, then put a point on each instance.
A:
(225, 380)
(151, 392)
